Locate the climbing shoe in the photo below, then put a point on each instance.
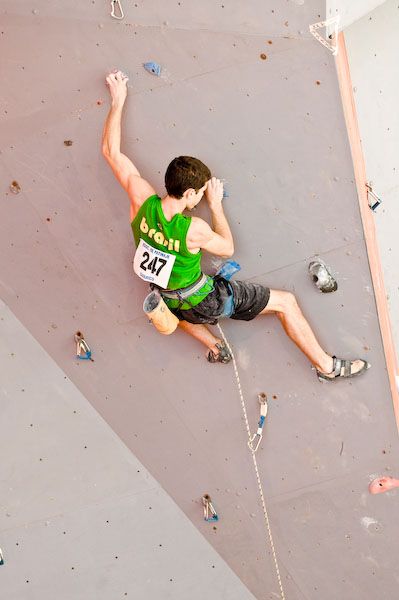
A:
(224, 355)
(342, 368)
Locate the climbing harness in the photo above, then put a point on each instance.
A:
(120, 9)
(82, 347)
(333, 47)
(184, 293)
(257, 437)
(209, 510)
(260, 488)
(376, 201)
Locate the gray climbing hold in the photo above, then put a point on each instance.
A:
(322, 276)
(153, 67)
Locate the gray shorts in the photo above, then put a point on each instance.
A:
(249, 299)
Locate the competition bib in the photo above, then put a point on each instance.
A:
(153, 265)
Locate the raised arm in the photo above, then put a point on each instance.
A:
(124, 170)
(218, 239)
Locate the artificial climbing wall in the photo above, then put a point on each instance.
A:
(250, 92)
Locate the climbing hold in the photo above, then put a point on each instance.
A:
(116, 4)
(68, 142)
(333, 22)
(82, 348)
(263, 56)
(153, 67)
(225, 192)
(15, 187)
(322, 277)
(227, 269)
(1, 558)
(209, 510)
(383, 484)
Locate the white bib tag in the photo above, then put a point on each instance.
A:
(153, 265)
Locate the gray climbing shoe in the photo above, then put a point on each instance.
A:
(224, 355)
(342, 368)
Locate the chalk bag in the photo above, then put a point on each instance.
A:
(159, 314)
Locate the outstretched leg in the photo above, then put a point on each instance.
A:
(285, 307)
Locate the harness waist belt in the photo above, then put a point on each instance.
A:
(187, 291)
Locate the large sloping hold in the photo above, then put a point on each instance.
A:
(106, 461)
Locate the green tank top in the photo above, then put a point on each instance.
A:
(151, 225)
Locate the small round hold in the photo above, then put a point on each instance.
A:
(15, 187)
(263, 56)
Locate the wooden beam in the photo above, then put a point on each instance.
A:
(373, 252)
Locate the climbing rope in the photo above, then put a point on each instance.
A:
(260, 488)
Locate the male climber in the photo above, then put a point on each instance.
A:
(170, 247)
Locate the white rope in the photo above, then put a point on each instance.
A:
(244, 410)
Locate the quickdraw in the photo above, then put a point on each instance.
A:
(209, 510)
(257, 437)
(82, 347)
(376, 201)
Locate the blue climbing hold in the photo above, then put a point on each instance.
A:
(153, 67)
(225, 192)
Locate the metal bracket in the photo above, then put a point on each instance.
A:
(254, 442)
(209, 510)
(333, 47)
(119, 5)
(82, 347)
(376, 200)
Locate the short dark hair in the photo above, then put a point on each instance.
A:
(185, 172)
